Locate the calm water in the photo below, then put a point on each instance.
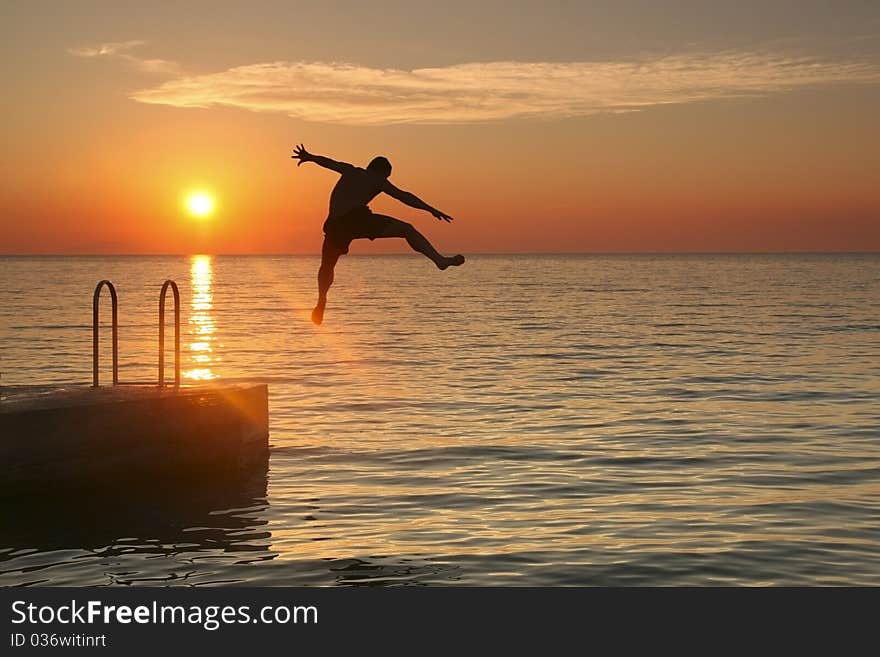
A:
(522, 420)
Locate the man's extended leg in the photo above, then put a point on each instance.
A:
(419, 243)
(329, 255)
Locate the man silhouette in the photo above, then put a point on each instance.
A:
(350, 218)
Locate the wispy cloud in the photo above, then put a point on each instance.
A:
(111, 48)
(119, 50)
(475, 92)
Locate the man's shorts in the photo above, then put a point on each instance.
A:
(356, 224)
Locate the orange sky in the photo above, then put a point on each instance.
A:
(662, 133)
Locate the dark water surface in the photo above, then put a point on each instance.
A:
(521, 420)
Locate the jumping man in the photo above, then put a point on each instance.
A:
(350, 218)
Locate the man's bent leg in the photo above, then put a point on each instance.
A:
(419, 243)
(329, 255)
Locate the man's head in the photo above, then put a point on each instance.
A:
(380, 165)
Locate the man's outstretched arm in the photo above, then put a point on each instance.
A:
(300, 153)
(413, 201)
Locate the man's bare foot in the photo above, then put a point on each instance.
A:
(454, 261)
(318, 314)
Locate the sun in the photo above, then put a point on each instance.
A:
(200, 204)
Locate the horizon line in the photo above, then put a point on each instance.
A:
(476, 253)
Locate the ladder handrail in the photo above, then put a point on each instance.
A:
(169, 283)
(114, 303)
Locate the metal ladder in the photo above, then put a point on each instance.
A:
(115, 330)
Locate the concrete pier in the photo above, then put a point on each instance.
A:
(78, 437)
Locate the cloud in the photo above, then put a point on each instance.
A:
(105, 48)
(118, 49)
(478, 92)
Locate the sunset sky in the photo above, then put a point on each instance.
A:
(540, 126)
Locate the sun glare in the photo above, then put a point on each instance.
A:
(200, 204)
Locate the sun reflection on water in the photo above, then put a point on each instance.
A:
(201, 321)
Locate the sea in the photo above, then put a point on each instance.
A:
(522, 420)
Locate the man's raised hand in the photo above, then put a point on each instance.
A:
(300, 153)
(441, 215)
